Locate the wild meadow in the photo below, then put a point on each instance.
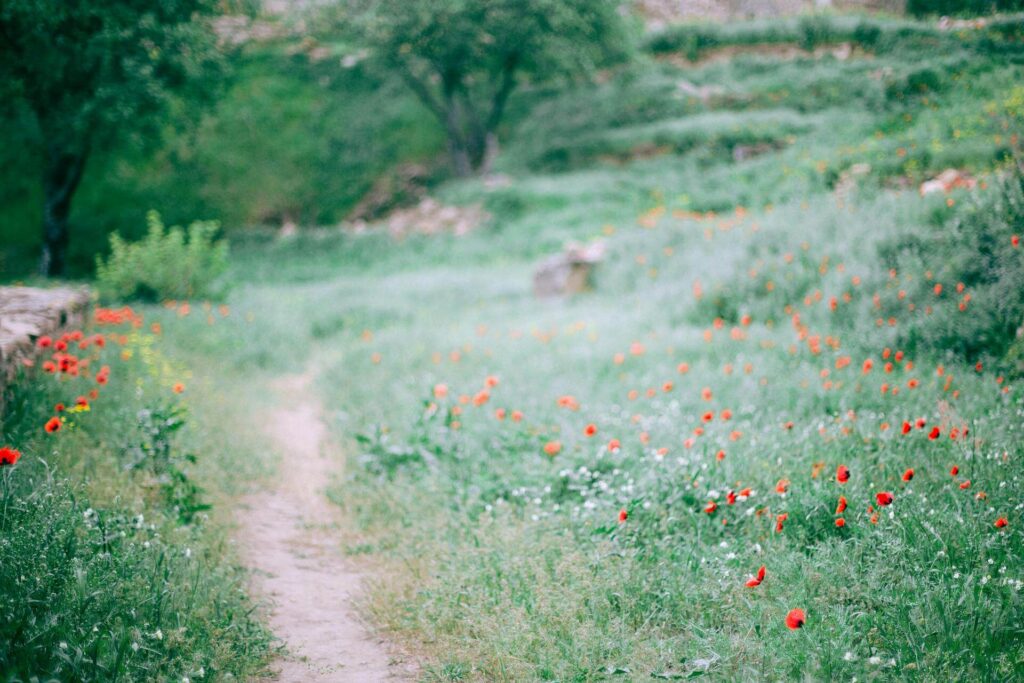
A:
(779, 438)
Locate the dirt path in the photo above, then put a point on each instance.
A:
(286, 537)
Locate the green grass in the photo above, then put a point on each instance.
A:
(504, 563)
(500, 562)
(114, 567)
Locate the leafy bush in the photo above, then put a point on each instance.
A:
(164, 265)
(980, 271)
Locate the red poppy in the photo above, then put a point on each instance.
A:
(517, 416)
(623, 515)
(710, 507)
(1000, 523)
(730, 498)
(553, 448)
(795, 619)
(906, 427)
(756, 581)
(44, 342)
(779, 520)
(52, 425)
(614, 445)
(908, 475)
(720, 455)
(965, 485)
(954, 470)
(935, 433)
(1015, 240)
(9, 456)
(840, 522)
(883, 498)
(841, 506)
(590, 429)
(842, 474)
(500, 413)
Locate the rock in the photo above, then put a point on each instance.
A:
(947, 181)
(27, 313)
(430, 217)
(570, 272)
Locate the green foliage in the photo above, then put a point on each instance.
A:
(95, 75)
(972, 252)
(155, 452)
(464, 58)
(105, 576)
(962, 7)
(165, 264)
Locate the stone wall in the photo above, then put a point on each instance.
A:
(27, 313)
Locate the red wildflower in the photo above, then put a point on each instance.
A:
(756, 580)
(840, 522)
(52, 425)
(730, 498)
(623, 515)
(553, 448)
(614, 445)
(590, 429)
(711, 507)
(908, 475)
(935, 433)
(795, 619)
(44, 342)
(180, 388)
(883, 498)
(966, 484)
(842, 474)
(1000, 523)
(9, 456)
(841, 506)
(954, 470)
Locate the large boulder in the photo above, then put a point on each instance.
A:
(569, 272)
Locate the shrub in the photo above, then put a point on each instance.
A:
(975, 248)
(164, 264)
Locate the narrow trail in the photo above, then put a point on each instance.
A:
(285, 534)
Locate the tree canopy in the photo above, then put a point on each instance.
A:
(92, 73)
(464, 58)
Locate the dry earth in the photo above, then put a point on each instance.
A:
(288, 537)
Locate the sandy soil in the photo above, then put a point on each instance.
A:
(285, 534)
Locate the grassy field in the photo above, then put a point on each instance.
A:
(116, 559)
(581, 489)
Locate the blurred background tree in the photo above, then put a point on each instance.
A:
(89, 74)
(464, 58)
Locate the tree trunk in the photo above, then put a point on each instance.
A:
(61, 176)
